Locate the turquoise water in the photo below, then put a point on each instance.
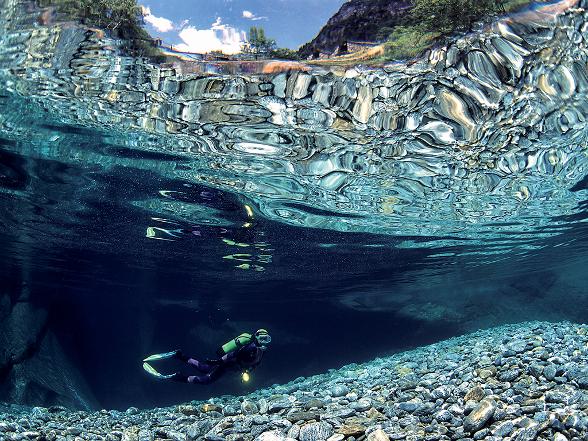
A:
(353, 211)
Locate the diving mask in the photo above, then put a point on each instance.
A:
(262, 337)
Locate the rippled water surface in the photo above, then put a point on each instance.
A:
(147, 207)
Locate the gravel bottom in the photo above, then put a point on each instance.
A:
(519, 382)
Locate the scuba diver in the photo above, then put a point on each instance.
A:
(243, 353)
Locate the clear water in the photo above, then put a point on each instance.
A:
(142, 217)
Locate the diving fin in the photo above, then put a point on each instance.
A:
(153, 372)
(162, 356)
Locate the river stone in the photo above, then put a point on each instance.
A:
(582, 382)
(301, 86)
(188, 409)
(294, 431)
(509, 375)
(410, 406)
(339, 390)
(248, 407)
(128, 435)
(361, 405)
(479, 416)
(315, 431)
(550, 371)
(197, 429)
(279, 82)
(378, 435)
(145, 435)
(442, 392)
(352, 430)
(485, 373)
(576, 422)
(557, 396)
(175, 436)
(231, 410)
(526, 434)
(517, 346)
(535, 369)
(278, 404)
(503, 429)
(475, 394)
(209, 407)
(297, 415)
(272, 435)
(314, 403)
(443, 416)
(374, 414)
(260, 419)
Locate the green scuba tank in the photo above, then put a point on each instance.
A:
(236, 343)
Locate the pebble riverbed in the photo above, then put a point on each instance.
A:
(518, 382)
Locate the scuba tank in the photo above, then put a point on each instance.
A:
(235, 344)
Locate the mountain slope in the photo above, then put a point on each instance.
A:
(357, 20)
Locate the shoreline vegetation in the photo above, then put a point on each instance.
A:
(122, 18)
(430, 20)
(422, 26)
(425, 23)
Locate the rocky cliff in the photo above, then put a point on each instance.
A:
(357, 20)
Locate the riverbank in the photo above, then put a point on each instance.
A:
(517, 382)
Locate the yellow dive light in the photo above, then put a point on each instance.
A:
(245, 377)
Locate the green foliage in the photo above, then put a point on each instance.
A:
(407, 42)
(259, 43)
(121, 17)
(451, 15)
(430, 19)
(384, 32)
(285, 54)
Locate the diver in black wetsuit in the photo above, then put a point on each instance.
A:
(243, 354)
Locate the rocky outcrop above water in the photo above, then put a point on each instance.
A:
(356, 20)
(517, 382)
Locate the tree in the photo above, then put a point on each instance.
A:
(259, 43)
(121, 17)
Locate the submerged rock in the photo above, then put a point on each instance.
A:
(316, 432)
(479, 416)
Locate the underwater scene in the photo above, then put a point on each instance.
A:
(299, 220)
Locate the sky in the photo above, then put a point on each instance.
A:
(205, 25)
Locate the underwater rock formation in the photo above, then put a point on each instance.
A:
(33, 368)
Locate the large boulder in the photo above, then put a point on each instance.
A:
(34, 369)
(47, 378)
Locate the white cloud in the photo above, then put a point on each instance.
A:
(251, 16)
(160, 23)
(219, 37)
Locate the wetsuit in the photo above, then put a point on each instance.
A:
(244, 358)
